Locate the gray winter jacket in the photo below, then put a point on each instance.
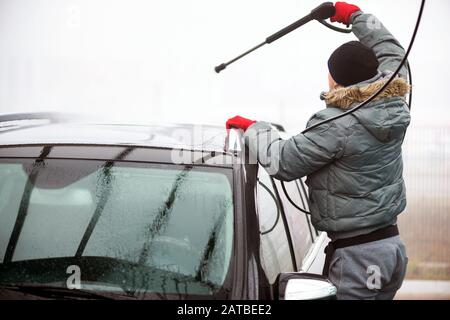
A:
(353, 164)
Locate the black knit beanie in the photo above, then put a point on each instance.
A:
(352, 62)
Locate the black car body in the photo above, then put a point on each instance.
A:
(145, 212)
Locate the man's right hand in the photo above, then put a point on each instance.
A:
(343, 13)
(239, 122)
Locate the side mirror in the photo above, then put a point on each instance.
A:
(305, 286)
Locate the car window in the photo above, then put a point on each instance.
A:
(152, 228)
(300, 229)
(275, 252)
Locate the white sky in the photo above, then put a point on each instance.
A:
(153, 61)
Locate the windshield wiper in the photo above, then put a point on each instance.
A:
(163, 214)
(104, 197)
(24, 203)
(63, 293)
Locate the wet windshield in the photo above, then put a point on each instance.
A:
(118, 226)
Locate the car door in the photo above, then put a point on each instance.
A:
(301, 231)
(309, 243)
(276, 248)
(315, 258)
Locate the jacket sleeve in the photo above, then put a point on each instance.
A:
(372, 33)
(298, 156)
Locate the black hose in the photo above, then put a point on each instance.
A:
(410, 82)
(372, 97)
(404, 61)
(290, 200)
(278, 209)
(308, 222)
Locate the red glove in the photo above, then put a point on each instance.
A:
(239, 123)
(343, 12)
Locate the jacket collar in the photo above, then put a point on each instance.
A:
(345, 98)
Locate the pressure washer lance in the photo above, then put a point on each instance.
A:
(322, 12)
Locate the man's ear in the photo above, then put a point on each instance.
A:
(332, 84)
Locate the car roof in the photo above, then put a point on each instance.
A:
(41, 129)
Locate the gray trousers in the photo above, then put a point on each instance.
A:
(369, 271)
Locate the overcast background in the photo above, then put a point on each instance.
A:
(153, 61)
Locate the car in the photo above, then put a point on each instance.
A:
(110, 211)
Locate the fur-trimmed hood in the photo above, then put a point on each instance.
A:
(385, 121)
(345, 98)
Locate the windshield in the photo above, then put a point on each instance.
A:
(124, 227)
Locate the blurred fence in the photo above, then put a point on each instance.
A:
(425, 224)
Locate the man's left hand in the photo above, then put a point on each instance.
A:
(344, 11)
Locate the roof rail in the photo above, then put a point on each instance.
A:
(278, 126)
(50, 116)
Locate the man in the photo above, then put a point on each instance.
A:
(353, 164)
